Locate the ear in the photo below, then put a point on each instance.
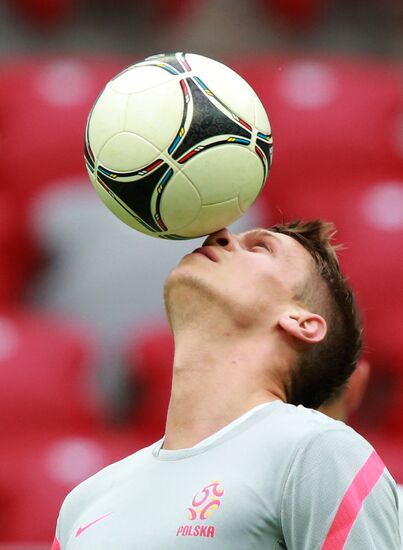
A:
(305, 326)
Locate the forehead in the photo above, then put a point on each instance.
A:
(295, 265)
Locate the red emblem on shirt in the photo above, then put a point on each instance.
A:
(204, 503)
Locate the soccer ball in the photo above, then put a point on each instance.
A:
(178, 146)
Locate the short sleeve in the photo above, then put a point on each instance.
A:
(339, 496)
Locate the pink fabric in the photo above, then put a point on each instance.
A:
(55, 545)
(350, 506)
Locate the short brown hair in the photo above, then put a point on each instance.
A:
(324, 368)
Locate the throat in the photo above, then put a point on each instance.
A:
(214, 385)
(194, 416)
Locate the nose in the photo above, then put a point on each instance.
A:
(223, 238)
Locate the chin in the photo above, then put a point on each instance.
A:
(181, 284)
(179, 288)
(188, 294)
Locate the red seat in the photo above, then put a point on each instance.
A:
(44, 13)
(52, 431)
(48, 380)
(51, 13)
(299, 13)
(384, 333)
(17, 256)
(45, 104)
(333, 117)
(173, 11)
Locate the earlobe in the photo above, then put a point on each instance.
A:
(305, 326)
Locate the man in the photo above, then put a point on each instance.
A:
(265, 326)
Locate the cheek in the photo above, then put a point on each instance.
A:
(273, 286)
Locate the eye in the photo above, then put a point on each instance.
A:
(264, 245)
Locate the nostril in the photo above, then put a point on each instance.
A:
(222, 241)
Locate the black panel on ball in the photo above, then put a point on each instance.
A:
(207, 122)
(137, 194)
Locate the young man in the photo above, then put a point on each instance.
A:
(265, 330)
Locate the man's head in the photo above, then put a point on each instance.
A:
(323, 369)
(282, 284)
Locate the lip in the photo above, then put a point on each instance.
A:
(207, 251)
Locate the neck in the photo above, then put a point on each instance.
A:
(216, 382)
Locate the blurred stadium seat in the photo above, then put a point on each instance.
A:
(329, 115)
(44, 104)
(44, 13)
(171, 11)
(48, 378)
(52, 425)
(55, 14)
(44, 108)
(385, 347)
(297, 13)
(17, 258)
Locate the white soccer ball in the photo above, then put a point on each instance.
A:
(178, 146)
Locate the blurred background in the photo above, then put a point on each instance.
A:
(85, 354)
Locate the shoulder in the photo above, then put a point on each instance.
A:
(301, 428)
(332, 471)
(336, 439)
(294, 436)
(325, 449)
(90, 490)
(312, 440)
(331, 436)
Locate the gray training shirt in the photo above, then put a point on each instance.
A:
(278, 477)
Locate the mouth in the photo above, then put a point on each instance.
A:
(207, 251)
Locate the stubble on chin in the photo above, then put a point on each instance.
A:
(186, 296)
(196, 300)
